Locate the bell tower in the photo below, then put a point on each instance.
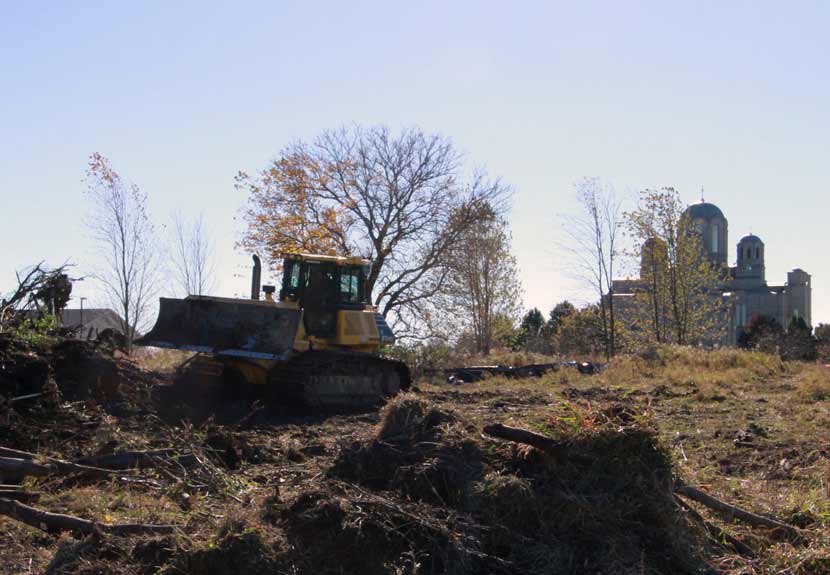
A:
(750, 272)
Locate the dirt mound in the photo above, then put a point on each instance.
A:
(605, 505)
(610, 486)
(236, 548)
(416, 449)
(347, 530)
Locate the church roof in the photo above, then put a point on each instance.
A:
(704, 210)
(751, 238)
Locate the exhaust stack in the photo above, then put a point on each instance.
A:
(255, 280)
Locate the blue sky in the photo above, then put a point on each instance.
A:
(732, 96)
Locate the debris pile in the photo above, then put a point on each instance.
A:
(469, 374)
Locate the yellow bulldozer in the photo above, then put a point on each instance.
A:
(318, 342)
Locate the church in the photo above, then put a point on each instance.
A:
(745, 290)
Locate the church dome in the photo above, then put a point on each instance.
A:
(711, 224)
(751, 239)
(704, 211)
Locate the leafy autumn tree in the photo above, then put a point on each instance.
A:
(559, 312)
(125, 238)
(284, 211)
(483, 286)
(680, 298)
(397, 199)
(581, 333)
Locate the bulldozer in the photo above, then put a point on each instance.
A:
(317, 343)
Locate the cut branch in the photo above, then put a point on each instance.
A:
(138, 459)
(716, 532)
(735, 511)
(10, 457)
(56, 522)
(526, 437)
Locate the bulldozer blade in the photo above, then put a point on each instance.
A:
(224, 326)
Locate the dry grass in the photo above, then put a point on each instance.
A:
(813, 383)
(160, 360)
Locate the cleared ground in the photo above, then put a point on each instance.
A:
(418, 488)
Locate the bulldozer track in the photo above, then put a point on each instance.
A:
(337, 379)
(319, 379)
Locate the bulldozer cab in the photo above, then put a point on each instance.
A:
(322, 285)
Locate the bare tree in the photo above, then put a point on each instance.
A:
(399, 200)
(120, 224)
(593, 241)
(192, 255)
(483, 286)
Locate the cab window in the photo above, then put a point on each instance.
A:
(351, 288)
(291, 278)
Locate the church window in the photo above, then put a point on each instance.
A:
(715, 237)
(757, 252)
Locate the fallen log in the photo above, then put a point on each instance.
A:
(53, 464)
(517, 435)
(734, 511)
(19, 495)
(541, 442)
(56, 522)
(17, 467)
(137, 459)
(8, 452)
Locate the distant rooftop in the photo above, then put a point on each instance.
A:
(94, 321)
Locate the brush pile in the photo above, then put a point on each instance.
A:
(603, 504)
